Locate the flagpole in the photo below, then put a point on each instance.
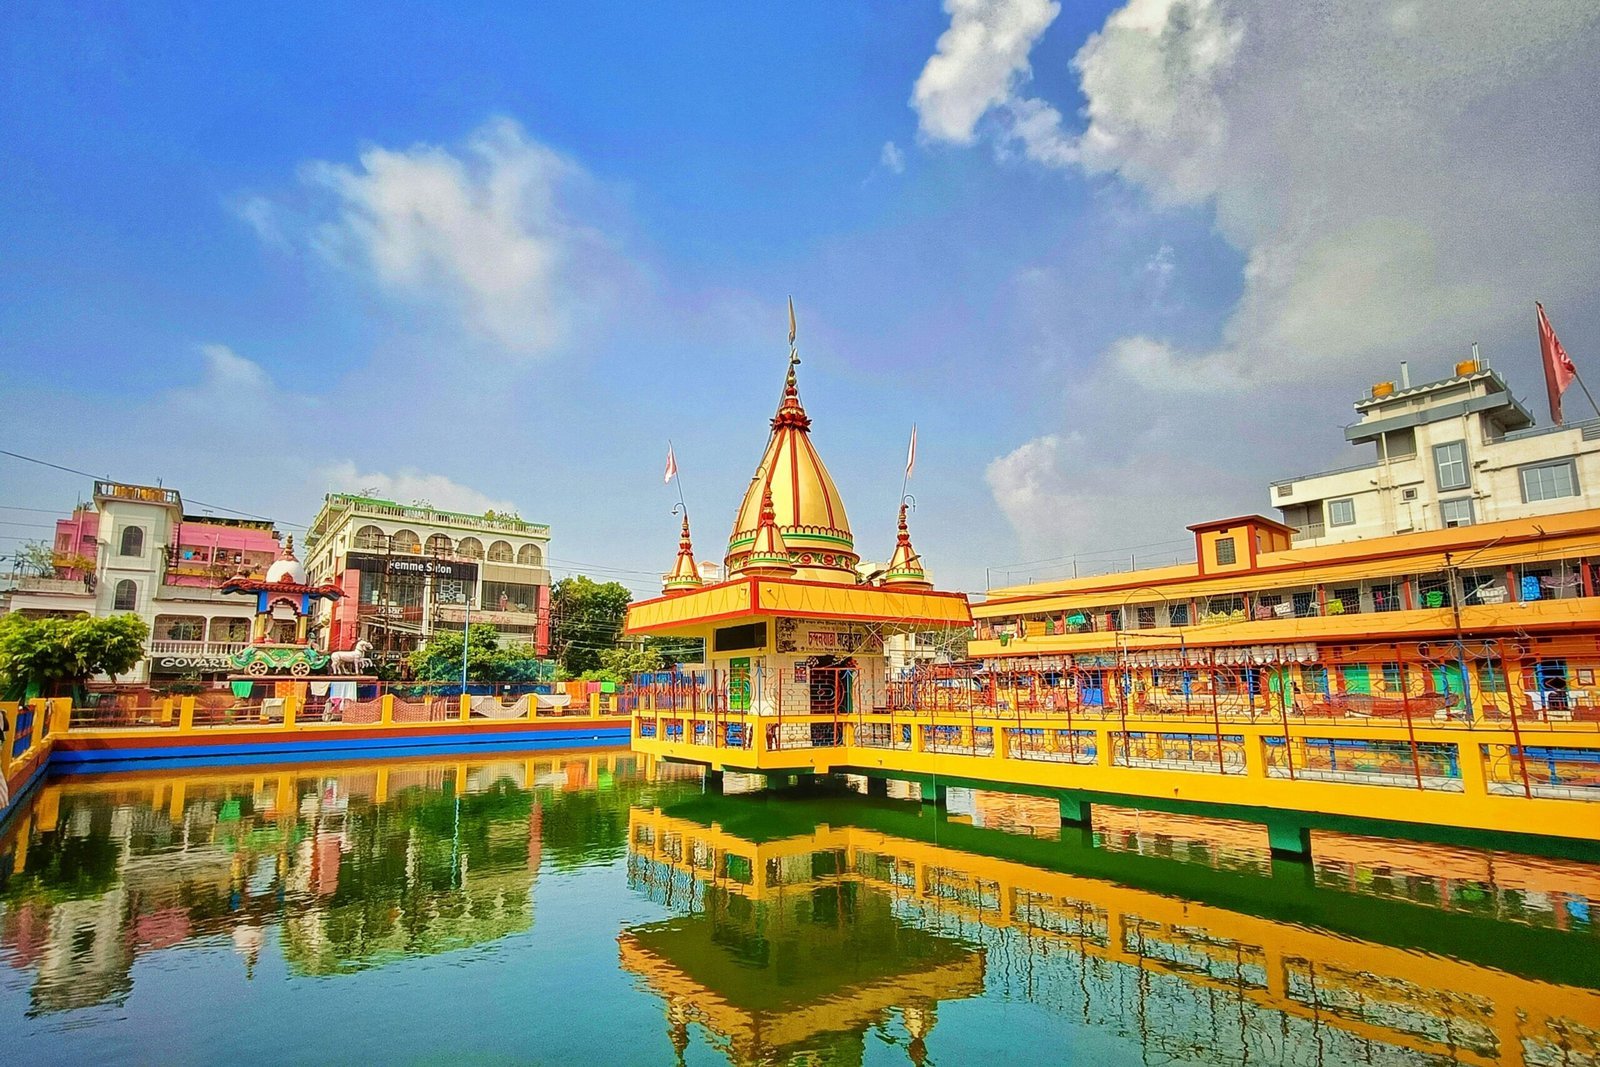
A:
(911, 459)
(676, 477)
(1587, 395)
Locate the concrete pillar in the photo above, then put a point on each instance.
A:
(1074, 811)
(1289, 840)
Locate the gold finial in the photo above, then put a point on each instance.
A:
(288, 548)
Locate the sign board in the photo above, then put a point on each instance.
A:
(409, 566)
(807, 638)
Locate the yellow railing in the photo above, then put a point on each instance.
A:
(31, 727)
(1454, 774)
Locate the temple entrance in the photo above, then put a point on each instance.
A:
(832, 685)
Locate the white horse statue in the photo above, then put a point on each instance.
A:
(350, 662)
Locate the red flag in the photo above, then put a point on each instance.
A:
(672, 465)
(1558, 369)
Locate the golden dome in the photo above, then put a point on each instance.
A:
(905, 566)
(809, 513)
(685, 575)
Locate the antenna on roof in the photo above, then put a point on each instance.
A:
(1477, 358)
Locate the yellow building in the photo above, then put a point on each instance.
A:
(1474, 623)
(793, 632)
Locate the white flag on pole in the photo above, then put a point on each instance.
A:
(911, 453)
(672, 465)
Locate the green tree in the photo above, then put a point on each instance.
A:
(676, 650)
(36, 559)
(588, 618)
(54, 656)
(487, 659)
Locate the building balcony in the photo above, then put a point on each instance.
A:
(182, 657)
(1419, 624)
(54, 586)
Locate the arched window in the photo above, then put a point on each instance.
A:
(132, 541)
(406, 541)
(370, 538)
(439, 545)
(530, 555)
(127, 594)
(500, 552)
(469, 548)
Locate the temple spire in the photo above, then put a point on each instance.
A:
(685, 574)
(769, 556)
(905, 566)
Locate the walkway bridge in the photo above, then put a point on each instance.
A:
(1291, 766)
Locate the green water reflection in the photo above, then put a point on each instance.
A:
(574, 906)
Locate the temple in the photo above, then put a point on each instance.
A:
(794, 628)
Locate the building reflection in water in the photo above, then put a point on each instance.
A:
(356, 866)
(1311, 977)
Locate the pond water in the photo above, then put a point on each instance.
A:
(573, 907)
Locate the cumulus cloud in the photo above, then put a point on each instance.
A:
(1063, 494)
(408, 485)
(892, 159)
(978, 64)
(1394, 174)
(487, 229)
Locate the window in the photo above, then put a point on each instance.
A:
(529, 555)
(1450, 465)
(500, 552)
(1342, 512)
(1314, 679)
(469, 548)
(1305, 604)
(1225, 551)
(407, 541)
(735, 638)
(1178, 614)
(1348, 599)
(1492, 676)
(1391, 677)
(1457, 512)
(518, 596)
(439, 545)
(1386, 597)
(1548, 481)
(1147, 618)
(1433, 591)
(370, 538)
(1400, 444)
(132, 541)
(127, 594)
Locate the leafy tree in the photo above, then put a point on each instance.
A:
(51, 655)
(676, 650)
(487, 659)
(620, 664)
(588, 618)
(36, 559)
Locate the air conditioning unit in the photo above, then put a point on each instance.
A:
(1408, 494)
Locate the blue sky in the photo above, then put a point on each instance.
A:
(1122, 263)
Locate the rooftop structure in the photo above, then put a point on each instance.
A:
(1452, 452)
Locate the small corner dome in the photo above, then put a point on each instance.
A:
(287, 570)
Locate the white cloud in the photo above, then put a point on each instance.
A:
(892, 159)
(228, 371)
(488, 230)
(408, 485)
(1395, 182)
(979, 62)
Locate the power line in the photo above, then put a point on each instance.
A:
(104, 478)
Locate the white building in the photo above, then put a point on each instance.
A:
(1452, 452)
(407, 570)
(142, 555)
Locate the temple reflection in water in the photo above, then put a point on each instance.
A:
(1191, 979)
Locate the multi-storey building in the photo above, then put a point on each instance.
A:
(133, 550)
(1447, 453)
(408, 570)
(1489, 621)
